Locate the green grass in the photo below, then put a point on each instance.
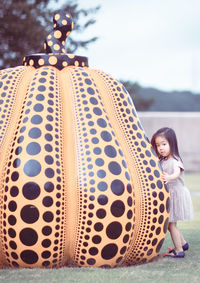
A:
(163, 270)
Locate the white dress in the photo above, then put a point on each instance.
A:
(181, 207)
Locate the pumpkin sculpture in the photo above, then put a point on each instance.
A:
(80, 183)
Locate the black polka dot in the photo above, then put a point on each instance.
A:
(114, 230)
(90, 90)
(161, 196)
(93, 251)
(95, 140)
(128, 226)
(101, 213)
(96, 239)
(47, 201)
(15, 176)
(110, 151)
(46, 243)
(91, 261)
(98, 226)
(12, 220)
(48, 147)
(102, 186)
(49, 159)
(154, 242)
(46, 254)
(38, 107)
(46, 263)
(36, 120)
(35, 133)
(48, 137)
(88, 81)
(13, 245)
(18, 150)
(106, 136)
(117, 187)
(29, 214)
(11, 233)
(31, 190)
(29, 256)
(148, 153)
(12, 206)
(117, 208)
(14, 255)
(114, 168)
(49, 187)
(14, 191)
(168, 204)
(48, 216)
(99, 162)
(123, 250)
(153, 163)
(158, 230)
(161, 208)
(109, 251)
(129, 188)
(49, 172)
(33, 148)
(156, 173)
(159, 184)
(159, 245)
(28, 236)
(129, 214)
(160, 219)
(32, 168)
(41, 88)
(102, 199)
(101, 123)
(46, 230)
(93, 100)
(16, 163)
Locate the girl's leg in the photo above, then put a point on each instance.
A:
(176, 236)
(183, 241)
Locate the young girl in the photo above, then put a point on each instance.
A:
(165, 145)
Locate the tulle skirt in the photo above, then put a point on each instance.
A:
(181, 207)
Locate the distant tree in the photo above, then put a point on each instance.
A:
(25, 24)
(135, 90)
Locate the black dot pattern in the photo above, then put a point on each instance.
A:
(150, 196)
(9, 81)
(104, 180)
(80, 181)
(33, 196)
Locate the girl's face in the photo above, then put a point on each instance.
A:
(162, 146)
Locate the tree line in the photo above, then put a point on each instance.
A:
(151, 99)
(25, 24)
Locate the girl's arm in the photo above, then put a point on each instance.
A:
(167, 178)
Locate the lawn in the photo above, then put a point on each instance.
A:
(163, 270)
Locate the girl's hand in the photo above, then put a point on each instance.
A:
(166, 177)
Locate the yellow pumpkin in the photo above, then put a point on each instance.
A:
(80, 183)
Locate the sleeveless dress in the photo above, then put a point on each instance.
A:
(181, 207)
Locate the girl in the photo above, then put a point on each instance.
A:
(165, 145)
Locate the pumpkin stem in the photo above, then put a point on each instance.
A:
(54, 46)
(55, 41)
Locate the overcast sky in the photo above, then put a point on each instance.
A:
(153, 42)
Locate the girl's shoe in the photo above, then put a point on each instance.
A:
(185, 248)
(175, 254)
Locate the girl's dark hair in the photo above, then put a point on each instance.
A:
(170, 136)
